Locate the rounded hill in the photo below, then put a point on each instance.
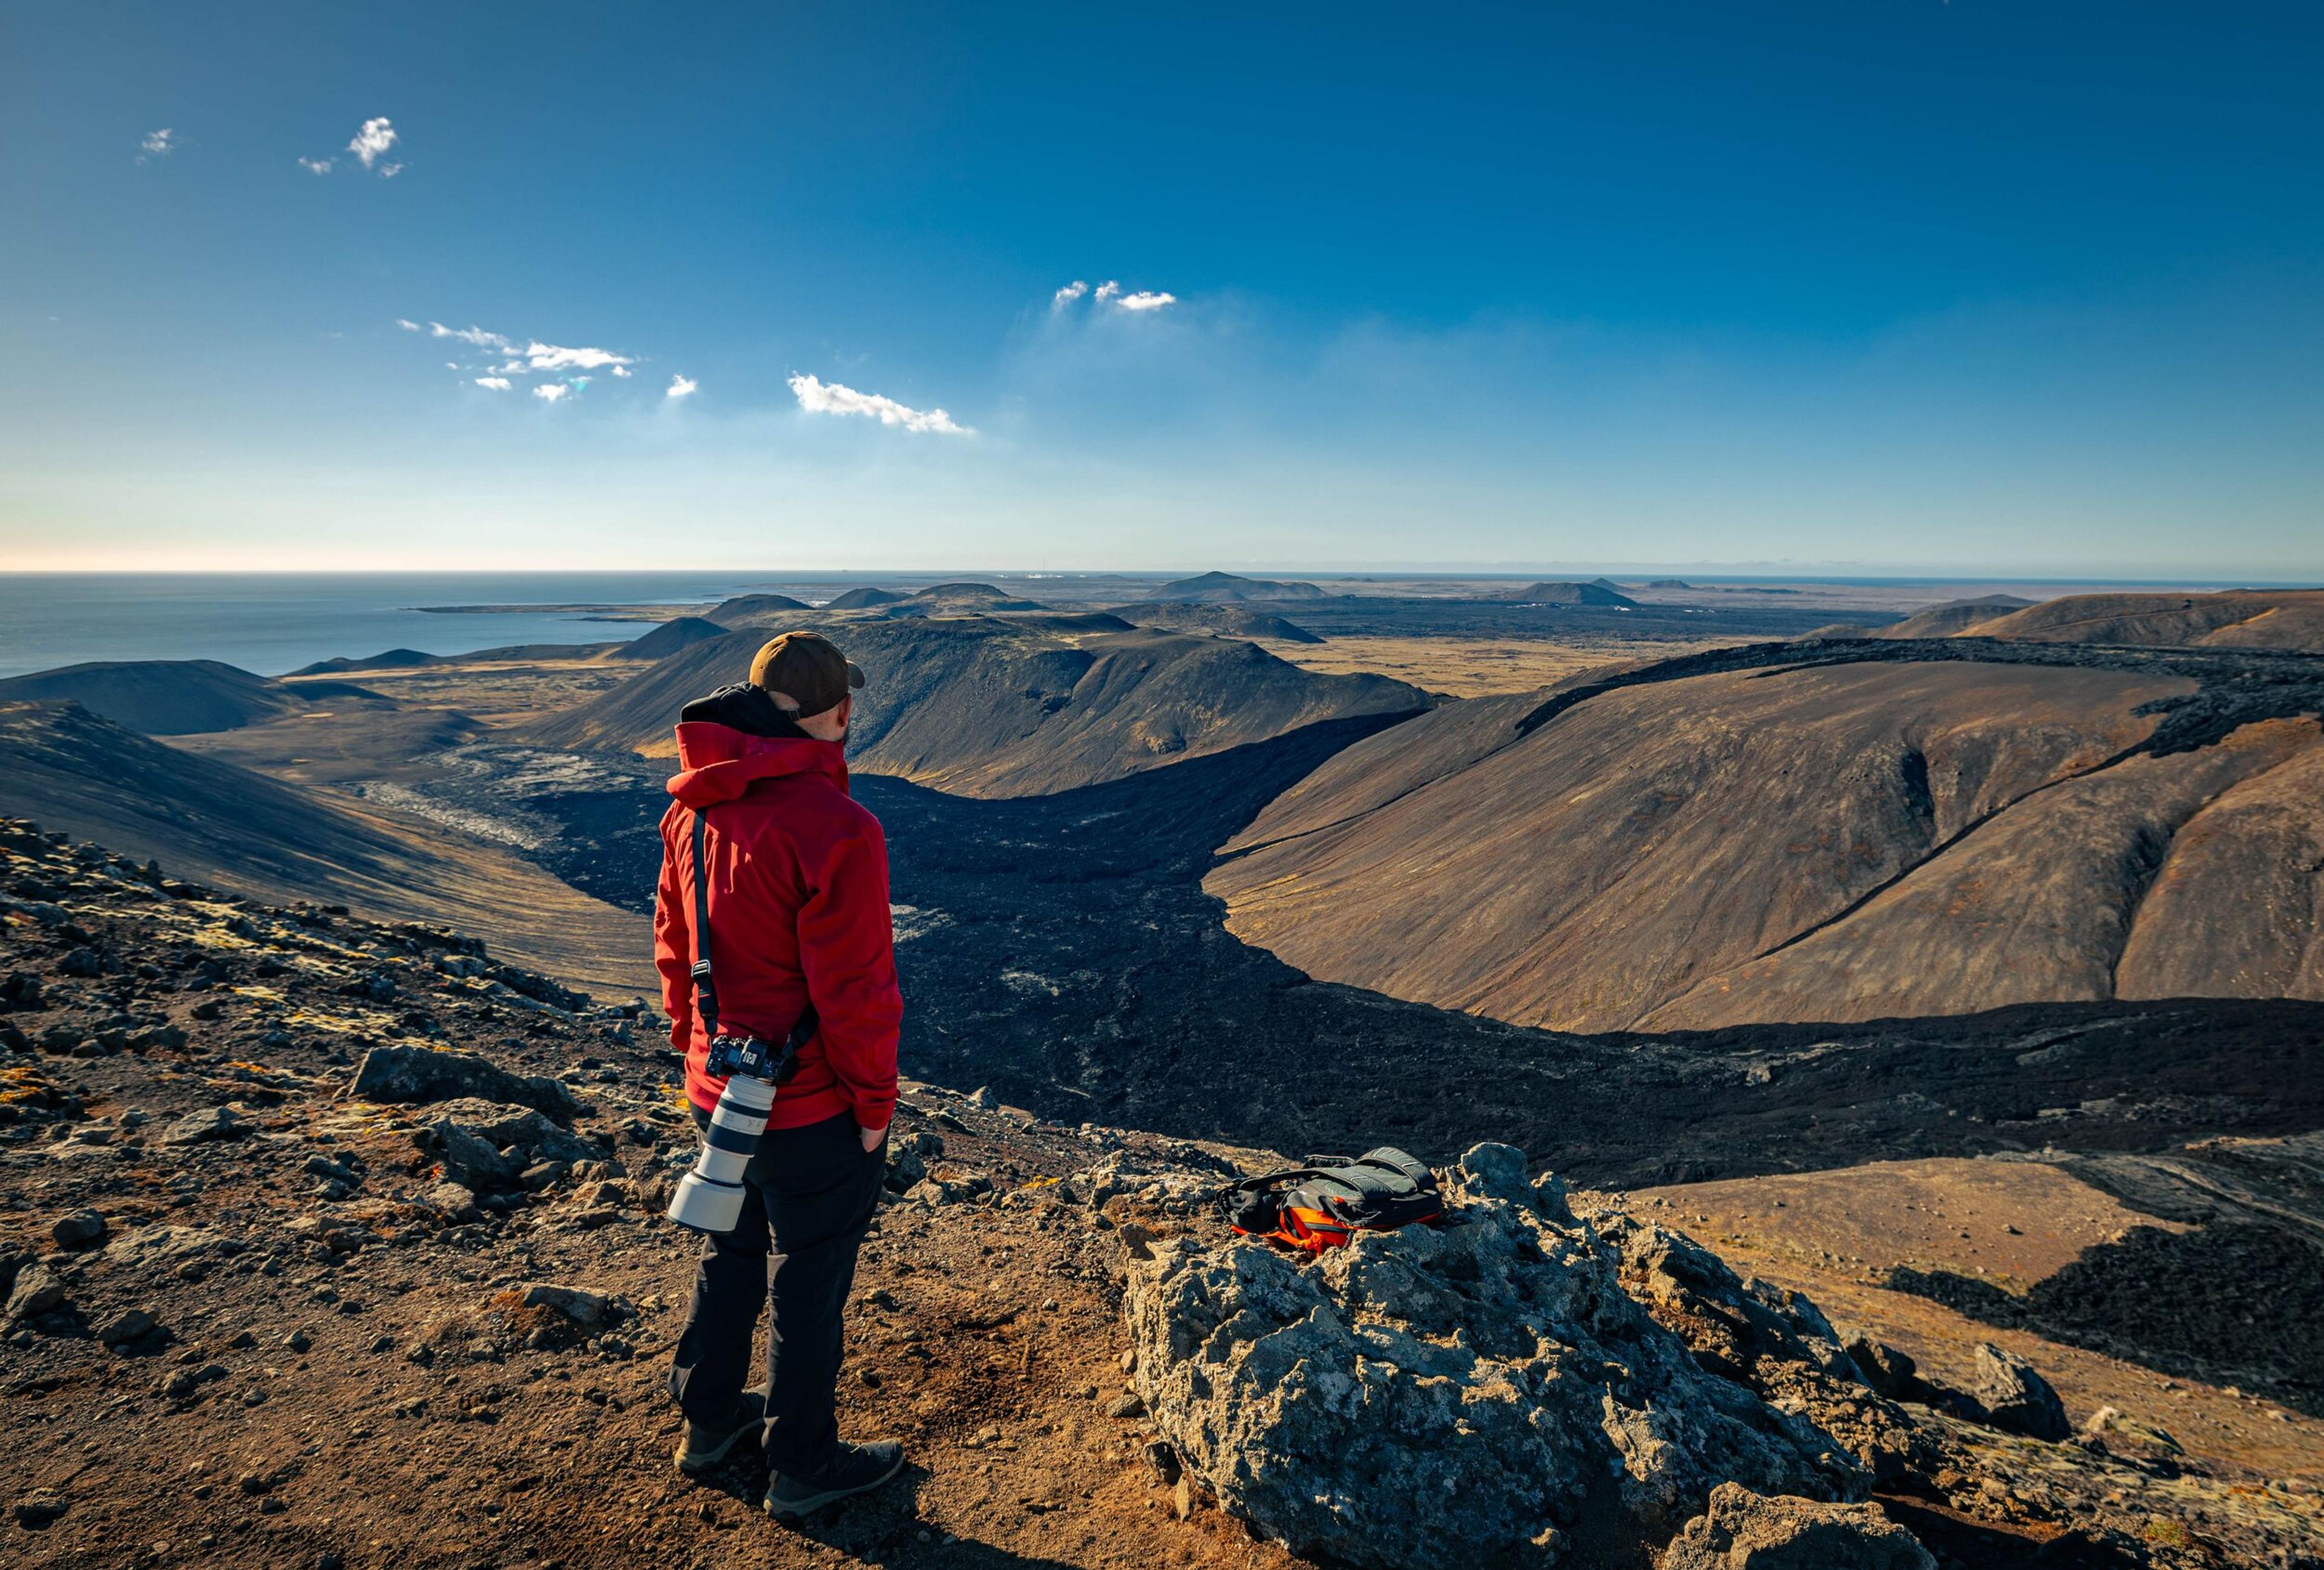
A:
(161, 697)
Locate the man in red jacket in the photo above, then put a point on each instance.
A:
(797, 899)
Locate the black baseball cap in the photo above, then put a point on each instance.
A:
(806, 667)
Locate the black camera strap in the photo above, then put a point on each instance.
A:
(706, 990)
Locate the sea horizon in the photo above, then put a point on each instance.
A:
(272, 623)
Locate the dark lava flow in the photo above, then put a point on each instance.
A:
(1061, 950)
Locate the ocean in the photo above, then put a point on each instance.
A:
(273, 623)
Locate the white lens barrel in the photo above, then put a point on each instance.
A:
(709, 1198)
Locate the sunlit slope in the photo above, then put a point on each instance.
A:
(1835, 842)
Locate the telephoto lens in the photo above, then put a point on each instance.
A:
(709, 1198)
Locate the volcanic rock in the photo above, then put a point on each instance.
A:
(1887, 1370)
(218, 1123)
(409, 1074)
(39, 1508)
(584, 1307)
(128, 1326)
(2016, 1397)
(37, 1291)
(471, 1160)
(1743, 1530)
(1769, 1339)
(79, 1228)
(1526, 1404)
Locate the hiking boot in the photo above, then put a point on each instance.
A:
(856, 1469)
(709, 1444)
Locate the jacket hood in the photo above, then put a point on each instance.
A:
(717, 762)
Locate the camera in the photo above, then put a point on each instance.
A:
(709, 1197)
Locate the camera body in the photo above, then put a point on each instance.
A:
(709, 1197)
(752, 1057)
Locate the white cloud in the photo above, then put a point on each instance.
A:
(1068, 294)
(373, 140)
(680, 387)
(497, 383)
(550, 392)
(831, 398)
(528, 356)
(1146, 300)
(390, 171)
(554, 357)
(1107, 291)
(316, 165)
(475, 334)
(157, 145)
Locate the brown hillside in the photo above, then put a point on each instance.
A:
(987, 707)
(669, 638)
(161, 697)
(2234, 618)
(861, 599)
(1952, 616)
(221, 824)
(1842, 842)
(744, 610)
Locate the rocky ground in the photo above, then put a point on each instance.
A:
(330, 1242)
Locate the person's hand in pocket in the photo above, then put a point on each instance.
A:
(872, 1138)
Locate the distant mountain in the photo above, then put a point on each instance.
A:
(1219, 589)
(1238, 621)
(669, 638)
(1599, 593)
(959, 599)
(861, 599)
(413, 659)
(746, 608)
(1953, 616)
(2231, 618)
(161, 697)
(392, 660)
(986, 705)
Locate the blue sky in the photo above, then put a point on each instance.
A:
(1886, 286)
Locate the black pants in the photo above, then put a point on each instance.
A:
(807, 1197)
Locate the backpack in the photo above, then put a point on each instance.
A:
(1332, 1198)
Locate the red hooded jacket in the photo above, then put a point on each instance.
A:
(798, 910)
